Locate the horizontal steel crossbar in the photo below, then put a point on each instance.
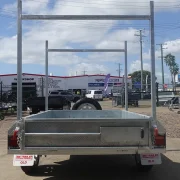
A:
(86, 50)
(85, 17)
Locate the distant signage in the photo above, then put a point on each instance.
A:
(52, 83)
(110, 80)
(178, 77)
(25, 79)
(99, 84)
(96, 84)
(137, 85)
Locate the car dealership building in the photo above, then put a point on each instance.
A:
(84, 82)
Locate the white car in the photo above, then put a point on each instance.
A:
(95, 94)
(165, 96)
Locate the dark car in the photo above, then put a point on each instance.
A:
(70, 96)
(37, 104)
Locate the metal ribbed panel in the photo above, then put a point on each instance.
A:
(76, 140)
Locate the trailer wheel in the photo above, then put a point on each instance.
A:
(31, 169)
(140, 167)
(87, 104)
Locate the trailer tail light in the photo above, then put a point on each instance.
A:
(13, 139)
(159, 140)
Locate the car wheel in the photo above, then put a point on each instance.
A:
(87, 104)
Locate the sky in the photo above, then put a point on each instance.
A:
(88, 34)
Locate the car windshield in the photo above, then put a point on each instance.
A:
(97, 92)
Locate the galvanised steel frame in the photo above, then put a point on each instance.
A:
(21, 17)
(85, 50)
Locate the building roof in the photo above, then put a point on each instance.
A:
(1, 75)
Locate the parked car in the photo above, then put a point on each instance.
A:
(71, 97)
(37, 104)
(95, 94)
(165, 96)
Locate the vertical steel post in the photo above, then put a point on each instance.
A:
(162, 65)
(1, 92)
(42, 86)
(141, 64)
(19, 60)
(153, 77)
(126, 76)
(46, 72)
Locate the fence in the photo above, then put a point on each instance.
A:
(163, 95)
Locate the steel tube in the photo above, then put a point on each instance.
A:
(85, 17)
(162, 65)
(19, 61)
(81, 17)
(126, 77)
(85, 50)
(153, 77)
(141, 52)
(46, 72)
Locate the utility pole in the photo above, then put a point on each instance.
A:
(119, 69)
(1, 91)
(84, 72)
(162, 62)
(141, 58)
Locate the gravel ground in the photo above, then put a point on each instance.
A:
(6, 124)
(170, 120)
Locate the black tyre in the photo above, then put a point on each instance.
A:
(76, 99)
(87, 102)
(31, 169)
(140, 167)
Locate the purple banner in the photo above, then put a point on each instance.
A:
(106, 82)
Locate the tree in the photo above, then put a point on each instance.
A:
(170, 61)
(136, 77)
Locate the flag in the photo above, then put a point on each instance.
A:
(106, 82)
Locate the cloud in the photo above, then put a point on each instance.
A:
(136, 66)
(88, 68)
(172, 46)
(75, 34)
(28, 7)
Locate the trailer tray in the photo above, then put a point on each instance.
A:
(84, 132)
